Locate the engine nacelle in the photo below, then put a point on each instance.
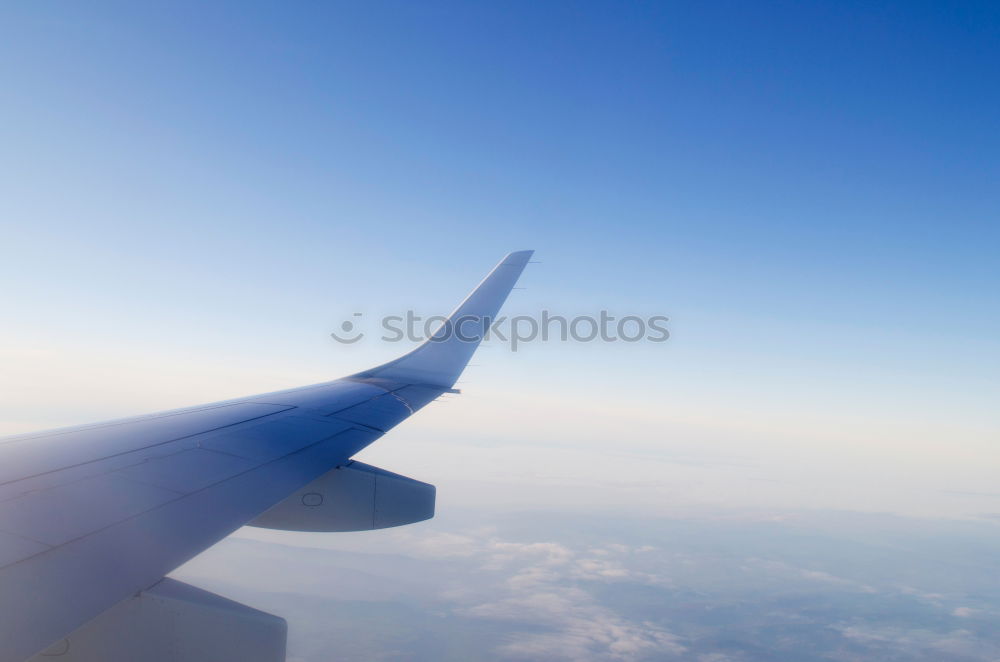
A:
(352, 497)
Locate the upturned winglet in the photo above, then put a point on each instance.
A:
(441, 359)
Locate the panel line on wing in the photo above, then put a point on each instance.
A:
(51, 458)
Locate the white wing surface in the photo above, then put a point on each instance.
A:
(93, 518)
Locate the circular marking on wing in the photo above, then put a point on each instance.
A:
(312, 499)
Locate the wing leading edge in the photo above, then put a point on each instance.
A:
(91, 516)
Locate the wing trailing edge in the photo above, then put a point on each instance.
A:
(174, 622)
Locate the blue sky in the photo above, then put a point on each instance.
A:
(192, 198)
(194, 195)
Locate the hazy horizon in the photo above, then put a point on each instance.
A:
(193, 197)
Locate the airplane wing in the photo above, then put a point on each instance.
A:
(93, 518)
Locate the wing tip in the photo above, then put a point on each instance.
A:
(439, 362)
(518, 258)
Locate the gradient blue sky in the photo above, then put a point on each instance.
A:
(192, 197)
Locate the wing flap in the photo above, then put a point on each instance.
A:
(175, 622)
